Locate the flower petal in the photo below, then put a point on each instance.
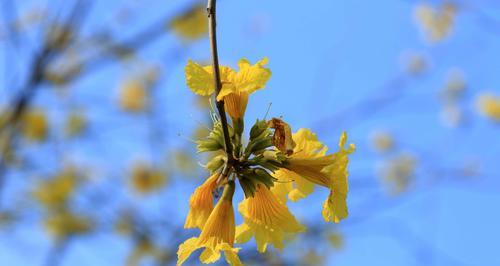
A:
(185, 250)
(251, 77)
(198, 79)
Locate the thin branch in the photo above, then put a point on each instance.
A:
(212, 25)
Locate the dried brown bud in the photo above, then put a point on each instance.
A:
(282, 137)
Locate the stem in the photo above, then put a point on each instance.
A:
(212, 24)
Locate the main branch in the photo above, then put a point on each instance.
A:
(212, 25)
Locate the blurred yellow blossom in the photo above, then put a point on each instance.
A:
(415, 63)
(312, 257)
(55, 192)
(398, 173)
(75, 124)
(35, 126)
(7, 218)
(145, 248)
(489, 105)
(124, 225)
(64, 69)
(63, 224)
(145, 179)
(184, 162)
(59, 35)
(29, 18)
(192, 24)
(134, 96)
(382, 141)
(436, 22)
(336, 240)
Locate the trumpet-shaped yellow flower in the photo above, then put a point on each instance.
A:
(309, 165)
(436, 23)
(335, 206)
(236, 86)
(145, 180)
(192, 24)
(217, 234)
(134, 96)
(201, 203)
(309, 158)
(64, 224)
(267, 219)
(489, 106)
(35, 126)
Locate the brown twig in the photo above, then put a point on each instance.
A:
(212, 25)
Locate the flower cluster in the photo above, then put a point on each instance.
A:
(276, 165)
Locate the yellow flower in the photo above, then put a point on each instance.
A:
(55, 192)
(145, 180)
(308, 159)
(217, 234)
(64, 224)
(267, 219)
(489, 106)
(335, 206)
(192, 24)
(133, 96)
(35, 126)
(309, 165)
(436, 23)
(201, 203)
(236, 86)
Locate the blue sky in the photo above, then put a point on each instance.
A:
(325, 57)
